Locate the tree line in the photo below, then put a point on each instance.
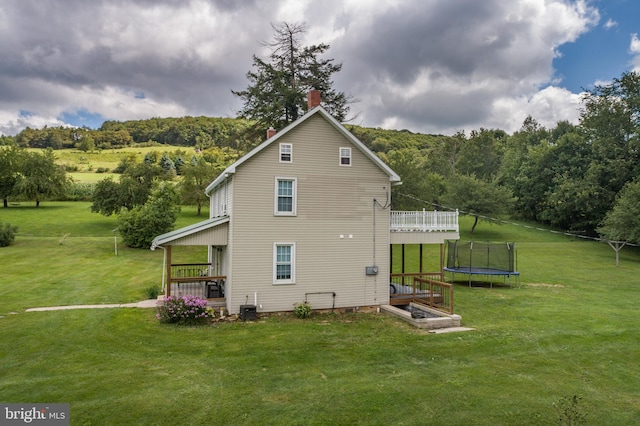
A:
(197, 132)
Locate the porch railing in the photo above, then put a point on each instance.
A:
(439, 295)
(425, 288)
(195, 279)
(424, 221)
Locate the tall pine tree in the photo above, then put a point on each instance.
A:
(278, 84)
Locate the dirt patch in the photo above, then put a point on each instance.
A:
(544, 285)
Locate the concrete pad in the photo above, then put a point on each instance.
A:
(450, 330)
(151, 303)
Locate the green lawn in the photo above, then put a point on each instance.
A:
(91, 177)
(571, 329)
(87, 163)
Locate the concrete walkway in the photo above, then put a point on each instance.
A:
(151, 303)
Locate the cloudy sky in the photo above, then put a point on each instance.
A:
(430, 66)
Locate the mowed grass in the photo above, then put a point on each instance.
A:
(91, 177)
(87, 163)
(571, 329)
(65, 255)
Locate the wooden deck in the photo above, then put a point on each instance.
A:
(425, 288)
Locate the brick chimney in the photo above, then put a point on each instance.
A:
(313, 98)
(271, 132)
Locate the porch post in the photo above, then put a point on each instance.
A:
(402, 264)
(421, 269)
(168, 266)
(442, 261)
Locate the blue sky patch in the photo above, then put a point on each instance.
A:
(82, 118)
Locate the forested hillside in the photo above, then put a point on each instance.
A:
(582, 178)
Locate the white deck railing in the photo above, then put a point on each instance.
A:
(424, 221)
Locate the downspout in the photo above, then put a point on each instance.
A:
(164, 265)
(375, 277)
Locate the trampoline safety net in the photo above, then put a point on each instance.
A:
(470, 255)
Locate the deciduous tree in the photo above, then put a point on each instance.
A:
(140, 225)
(622, 223)
(195, 177)
(10, 167)
(478, 198)
(132, 190)
(41, 177)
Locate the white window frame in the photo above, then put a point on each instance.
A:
(292, 263)
(341, 156)
(283, 149)
(294, 200)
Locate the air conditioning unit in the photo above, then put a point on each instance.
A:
(248, 312)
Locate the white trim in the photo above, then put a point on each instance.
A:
(285, 145)
(294, 196)
(347, 149)
(292, 263)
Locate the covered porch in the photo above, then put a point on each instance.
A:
(206, 280)
(194, 279)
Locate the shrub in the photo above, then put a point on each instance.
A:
(153, 292)
(7, 234)
(185, 310)
(569, 412)
(302, 310)
(79, 192)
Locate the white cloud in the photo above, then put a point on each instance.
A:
(634, 48)
(12, 122)
(547, 106)
(489, 74)
(53, 100)
(610, 24)
(424, 65)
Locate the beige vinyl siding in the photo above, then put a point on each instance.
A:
(216, 236)
(331, 201)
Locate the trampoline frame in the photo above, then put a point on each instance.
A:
(489, 272)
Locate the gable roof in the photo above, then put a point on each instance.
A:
(393, 176)
(187, 231)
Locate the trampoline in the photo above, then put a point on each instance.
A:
(490, 259)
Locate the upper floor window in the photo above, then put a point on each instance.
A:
(345, 156)
(219, 201)
(286, 153)
(285, 197)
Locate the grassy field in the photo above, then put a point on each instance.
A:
(88, 163)
(571, 329)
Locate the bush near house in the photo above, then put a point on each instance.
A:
(185, 310)
(302, 310)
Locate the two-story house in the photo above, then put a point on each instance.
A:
(305, 216)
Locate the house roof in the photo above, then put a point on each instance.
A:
(393, 176)
(188, 230)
